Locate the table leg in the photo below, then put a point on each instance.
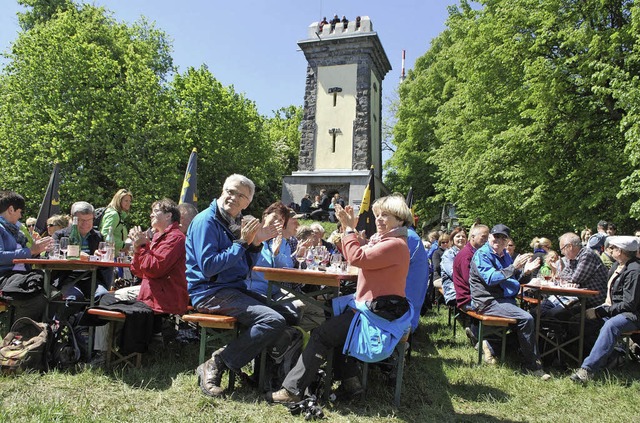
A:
(47, 293)
(583, 312)
(92, 329)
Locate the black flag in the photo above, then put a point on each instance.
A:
(190, 184)
(366, 219)
(51, 202)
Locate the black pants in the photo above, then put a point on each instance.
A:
(329, 335)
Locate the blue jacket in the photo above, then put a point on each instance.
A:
(215, 259)
(371, 338)
(446, 267)
(256, 281)
(492, 277)
(9, 251)
(418, 276)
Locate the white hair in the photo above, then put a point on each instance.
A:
(242, 180)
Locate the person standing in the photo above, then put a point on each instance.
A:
(114, 216)
(221, 250)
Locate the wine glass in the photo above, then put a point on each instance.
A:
(545, 272)
(309, 258)
(335, 261)
(64, 246)
(102, 249)
(301, 256)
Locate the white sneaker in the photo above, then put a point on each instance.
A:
(541, 374)
(487, 353)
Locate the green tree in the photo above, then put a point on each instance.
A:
(283, 133)
(228, 132)
(40, 11)
(515, 107)
(87, 92)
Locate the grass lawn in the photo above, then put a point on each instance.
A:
(442, 383)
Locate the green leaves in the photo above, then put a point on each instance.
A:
(527, 111)
(103, 99)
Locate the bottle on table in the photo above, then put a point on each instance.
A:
(75, 241)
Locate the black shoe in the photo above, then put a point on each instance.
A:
(210, 376)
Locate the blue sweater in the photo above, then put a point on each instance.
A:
(256, 281)
(9, 251)
(215, 259)
(418, 276)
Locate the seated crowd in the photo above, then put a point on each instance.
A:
(206, 260)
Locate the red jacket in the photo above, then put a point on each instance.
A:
(161, 265)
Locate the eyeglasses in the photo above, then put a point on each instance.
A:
(32, 225)
(563, 247)
(234, 193)
(50, 225)
(157, 211)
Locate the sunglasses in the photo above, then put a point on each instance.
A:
(31, 226)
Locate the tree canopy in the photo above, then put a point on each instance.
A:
(103, 99)
(525, 112)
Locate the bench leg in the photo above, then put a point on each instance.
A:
(203, 344)
(480, 340)
(402, 348)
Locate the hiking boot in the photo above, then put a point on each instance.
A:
(540, 373)
(282, 397)
(472, 337)
(581, 376)
(210, 376)
(487, 354)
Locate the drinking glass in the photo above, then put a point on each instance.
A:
(102, 249)
(54, 250)
(336, 258)
(309, 258)
(301, 256)
(64, 246)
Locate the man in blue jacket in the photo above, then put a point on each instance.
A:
(221, 250)
(495, 280)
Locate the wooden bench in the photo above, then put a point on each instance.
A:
(402, 349)
(210, 327)
(115, 317)
(501, 323)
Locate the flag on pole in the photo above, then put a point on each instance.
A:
(51, 202)
(366, 219)
(189, 193)
(409, 201)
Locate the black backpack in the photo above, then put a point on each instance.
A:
(282, 356)
(97, 217)
(64, 350)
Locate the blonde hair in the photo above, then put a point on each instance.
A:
(61, 220)
(540, 243)
(395, 205)
(116, 201)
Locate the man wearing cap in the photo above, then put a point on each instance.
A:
(621, 309)
(596, 241)
(495, 281)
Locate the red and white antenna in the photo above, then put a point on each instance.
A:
(402, 76)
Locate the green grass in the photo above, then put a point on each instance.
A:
(442, 383)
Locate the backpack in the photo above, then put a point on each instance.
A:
(64, 350)
(282, 356)
(98, 214)
(24, 347)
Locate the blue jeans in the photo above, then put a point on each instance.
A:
(606, 341)
(506, 307)
(263, 324)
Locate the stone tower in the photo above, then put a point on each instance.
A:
(341, 127)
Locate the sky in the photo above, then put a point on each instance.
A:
(252, 44)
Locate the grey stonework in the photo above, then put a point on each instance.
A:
(366, 51)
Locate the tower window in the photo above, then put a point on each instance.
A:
(334, 91)
(334, 132)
